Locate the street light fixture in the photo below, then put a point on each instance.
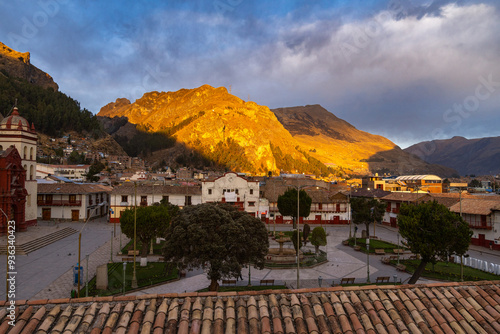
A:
(298, 230)
(80, 241)
(367, 260)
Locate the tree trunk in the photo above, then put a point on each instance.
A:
(144, 248)
(214, 286)
(316, 248)
(294, 223)
(420, 269)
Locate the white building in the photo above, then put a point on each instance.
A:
(483, 216)
(129, 194)
(16, 131)
(72, 201)
(234, 189)
(72, 172)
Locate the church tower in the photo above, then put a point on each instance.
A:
(16, 131)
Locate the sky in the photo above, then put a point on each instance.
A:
(408, 70)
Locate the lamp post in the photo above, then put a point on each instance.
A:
(87, 278)
(350, 223)
(367, 260)
(398, 247)
(134, 277)
(80, 241)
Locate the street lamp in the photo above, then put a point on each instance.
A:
(367, 260)
(298, 231)
(80, 241)
(134, 277)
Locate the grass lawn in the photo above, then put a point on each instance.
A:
(151, 274)
(130, 246)
(375, 244)
(448, 271)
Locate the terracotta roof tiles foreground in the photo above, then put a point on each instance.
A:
(430, 308)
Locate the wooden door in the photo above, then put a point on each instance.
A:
(46, 214)
(75, 215)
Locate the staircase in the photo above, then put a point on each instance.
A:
(41, 242)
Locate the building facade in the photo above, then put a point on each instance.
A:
(130, 194)
(16, 131)
(234, 189)
(72, 201)
(12, 190)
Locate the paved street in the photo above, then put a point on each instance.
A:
(47, 272)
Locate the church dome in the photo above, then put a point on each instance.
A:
(16, 122)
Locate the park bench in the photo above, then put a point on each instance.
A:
(228, 282)
(131, 252)
(385, 260)
(127, 259)
(401, 267)
(398, 251)
(266, 282)
(383, 279)
(380, 251)
(347, 280)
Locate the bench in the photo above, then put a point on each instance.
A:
(228, 282)
(266, 282)
(401, 267)
(380, 251)
(398, 251)
(127, 259)
(385, 260)
(131, 252)
(383, 279)
(347, 280)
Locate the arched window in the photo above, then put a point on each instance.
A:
(31, 153)
(31, 173)
(1, 148)
(25, 152)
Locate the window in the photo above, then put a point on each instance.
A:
(187, 200)
(251, 203)
(48, 199)
(210, 191)
(144, 200)
(124, 198)
(251, 191)
(72, 198)
(237, 192)
(320, 206)
(164, 199)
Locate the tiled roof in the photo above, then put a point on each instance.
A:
(372, 193)
(147, 189)
(476, 206)
(407, 197)
(429, 308)
(71, 188)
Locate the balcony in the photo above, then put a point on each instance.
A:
(481, 226)
(58, 202)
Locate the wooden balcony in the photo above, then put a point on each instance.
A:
(58, 202)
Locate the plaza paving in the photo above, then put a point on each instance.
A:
(47, 273)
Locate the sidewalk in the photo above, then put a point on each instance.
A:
(62, 286)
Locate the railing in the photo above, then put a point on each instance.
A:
(483, 226)
(59, 202)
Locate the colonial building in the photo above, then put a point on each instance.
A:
(12, 190)
(394, 201)
(483, 217)
(72, 201)
(327, 207)
(129, 194)
(16, 131)
(234, 189)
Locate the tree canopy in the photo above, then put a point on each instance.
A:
(152, 221)
(287, 204)
(367, 211)
(434, 232)
(218, 238)
(318, 237)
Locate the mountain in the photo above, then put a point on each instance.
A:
(17, 64)
(242, 136)
(480, 156)
(335, 142)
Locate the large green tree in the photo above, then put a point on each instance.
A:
(366, 211)
(151, 222)
(287, 204)
(434, 232)
(217, 238)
